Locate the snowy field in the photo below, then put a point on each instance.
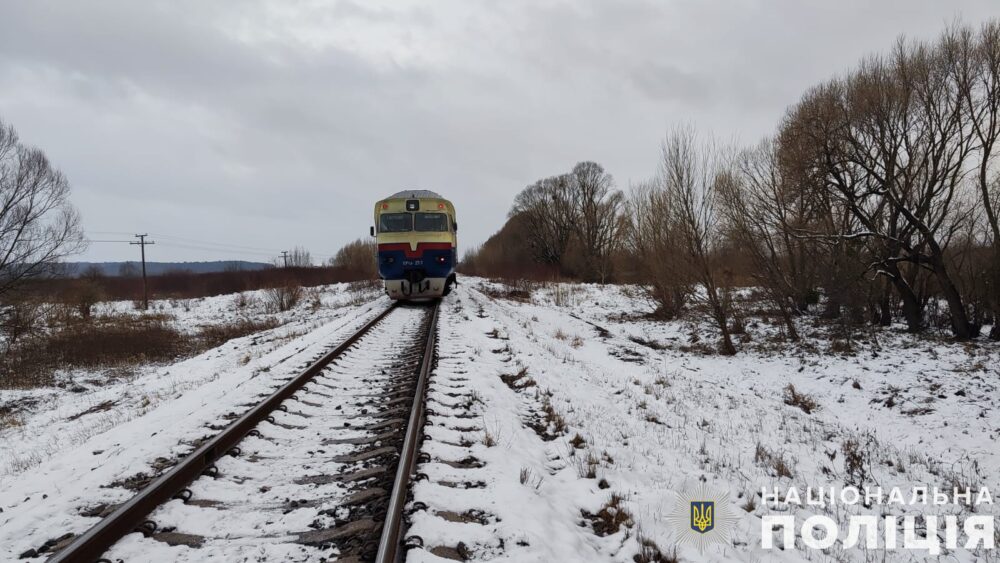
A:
(560, 427)
(647, 414)
(73, 447)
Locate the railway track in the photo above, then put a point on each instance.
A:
(318, 469)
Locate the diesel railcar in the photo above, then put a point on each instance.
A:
(415, 234)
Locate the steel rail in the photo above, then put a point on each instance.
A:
(128, 517)
(389, 545)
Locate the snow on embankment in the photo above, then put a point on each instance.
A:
(569, 421)
(72, 455)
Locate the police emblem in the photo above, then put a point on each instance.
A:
(701, 516)
(702, 520)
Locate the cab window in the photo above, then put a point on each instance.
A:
(430, 222)
(395, 222)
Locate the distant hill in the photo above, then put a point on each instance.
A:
(75, 269)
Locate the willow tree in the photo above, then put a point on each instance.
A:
(38, 225)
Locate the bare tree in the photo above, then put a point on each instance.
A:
(547, 205)
(357, 256)
(893, 145)
(657, 249)
(691, 176)
(760, 209)
(812, 154)
(907, 132)
(975, 62)
(300, 258)
(129, 270)
(598, 221)
(92, 272)
(38, 225)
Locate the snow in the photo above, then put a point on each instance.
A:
(655, 410)
(660, 420)
(58, 467)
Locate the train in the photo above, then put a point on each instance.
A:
(416, 244)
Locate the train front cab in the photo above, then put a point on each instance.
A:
(416, 247)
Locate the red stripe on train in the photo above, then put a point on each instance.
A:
(421, 247)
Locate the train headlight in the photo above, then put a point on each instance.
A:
(442, 259)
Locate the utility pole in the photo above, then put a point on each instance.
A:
(284, 255)
(142, 248)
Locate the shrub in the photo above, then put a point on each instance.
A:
(111, 342)
(216, 335)
(21, 319)
(282, 298)
(108, 342)
(83, 295)
(244, 300)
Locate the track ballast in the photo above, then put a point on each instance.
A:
(311, 471)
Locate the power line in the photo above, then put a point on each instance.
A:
(207, 248)
(199, 242)
(209, 243)
(189, 243)
(212, 249)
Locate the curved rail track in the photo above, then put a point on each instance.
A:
(364, 400)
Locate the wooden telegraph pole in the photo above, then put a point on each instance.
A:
(142, 248)
(284, 255)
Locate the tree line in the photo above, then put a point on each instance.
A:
(571, 224)
(875, 200)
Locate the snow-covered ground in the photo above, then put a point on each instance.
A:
(71, 444)
(562, 427)
(648, 415)
(88, 402)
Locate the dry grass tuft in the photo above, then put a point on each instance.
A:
(518, 381)
(805, 402)
(10, 420)
(216, 335)
(512, 289)
(649, 552)
(114, 341)
(529, 479)
(105, 342)
(611, 518)
(857, 460)
(773, 461)
(548, 424)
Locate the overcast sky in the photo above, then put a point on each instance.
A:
(234, 129)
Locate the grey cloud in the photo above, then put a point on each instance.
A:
(664, 82)
(271, 123)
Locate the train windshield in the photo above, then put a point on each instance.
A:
(395, 223)
(430, 222)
